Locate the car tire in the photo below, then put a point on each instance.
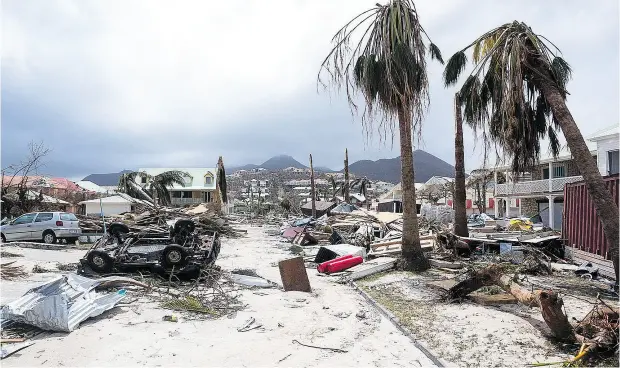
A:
(100, 262)
(49, 237)
(211, 258)
(174, 256)
(3, 238)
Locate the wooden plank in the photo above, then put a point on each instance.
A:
(294, 275)
(371, 267)
(606, 267)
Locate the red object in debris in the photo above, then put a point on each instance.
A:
(323, 266)
(450, 202)
(344, 264)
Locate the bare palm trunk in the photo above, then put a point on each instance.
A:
(460, 212)
(312, 190)
(413, 258)
(346, 175)
(604, 204)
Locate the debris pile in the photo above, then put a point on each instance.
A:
(8, 271)
(156, 220)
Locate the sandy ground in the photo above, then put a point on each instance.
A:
(333, 315)
(472, 335)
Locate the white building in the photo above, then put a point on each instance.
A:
(198, 187)
(607, 144)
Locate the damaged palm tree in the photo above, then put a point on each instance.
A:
(221, 194)
(388, 67)
(598, 331)
(516, 96)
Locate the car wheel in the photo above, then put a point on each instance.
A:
(100, 261)
(49, 237)
(3, 238)
(215, 251)
(174, 256)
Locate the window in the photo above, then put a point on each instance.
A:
(558, 172)
(68, 217)
(24, 219)
(44, 217)
(209, 179)
(208, 197)
(612, 162)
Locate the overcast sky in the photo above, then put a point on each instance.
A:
(123, 84)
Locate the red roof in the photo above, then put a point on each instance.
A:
(43, 182)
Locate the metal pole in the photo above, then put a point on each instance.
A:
(102, 218)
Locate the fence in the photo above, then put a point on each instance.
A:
(581, 226)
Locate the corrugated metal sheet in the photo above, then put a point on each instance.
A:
(581, 226)
(61, 304)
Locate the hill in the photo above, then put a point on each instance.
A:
(106, 180)
(425, 164)
(275, 163)
(282, 162)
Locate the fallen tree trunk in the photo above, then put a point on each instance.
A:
(547, 300)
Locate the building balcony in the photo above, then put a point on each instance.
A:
(533, 187)
(185, 201)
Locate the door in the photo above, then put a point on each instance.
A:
(20, 228)
(40, 224)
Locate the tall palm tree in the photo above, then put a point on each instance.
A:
(388, 67)
(516, 95)
(460, 198)
(159, 184)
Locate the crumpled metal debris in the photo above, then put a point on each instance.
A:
(63, 303)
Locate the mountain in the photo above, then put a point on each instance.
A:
(323, 169)
(278, 162)
(282, 162)
(425, 165)
(106, 180)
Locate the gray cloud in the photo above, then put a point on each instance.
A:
(163, 85)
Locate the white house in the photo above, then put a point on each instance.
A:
(113, 205)
(198, 187)
(607, 144)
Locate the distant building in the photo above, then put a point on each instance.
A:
(199, 186)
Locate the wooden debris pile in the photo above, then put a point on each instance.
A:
(156, 220)
(8, 271)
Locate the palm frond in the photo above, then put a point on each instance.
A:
(435, 53)
(561, 71)
(455, 66)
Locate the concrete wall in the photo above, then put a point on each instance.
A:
(602, 147)
(108, 208)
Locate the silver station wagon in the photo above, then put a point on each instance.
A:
(45, 226)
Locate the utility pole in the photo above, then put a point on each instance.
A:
(346, 175)
(312, 190)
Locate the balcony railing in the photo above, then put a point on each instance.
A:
(535, 186)
(184, 201)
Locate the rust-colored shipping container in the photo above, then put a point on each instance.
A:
(581, 226)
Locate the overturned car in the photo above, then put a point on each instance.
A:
(180, 249)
